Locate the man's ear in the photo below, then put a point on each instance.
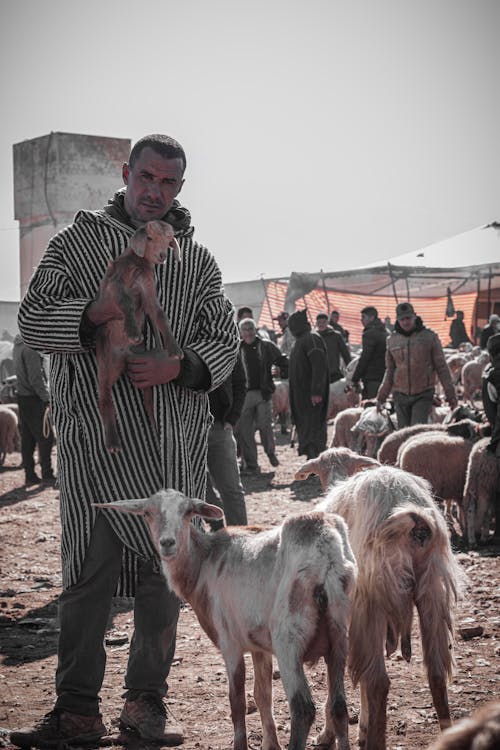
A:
(125, 173)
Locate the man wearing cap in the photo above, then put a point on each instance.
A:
(413, 359)
(335, 347)
(286, 339)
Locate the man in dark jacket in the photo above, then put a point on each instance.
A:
(491, 392)
(489, 330)
(335, 347)
(458, 334)
(414, 359)
(309, 388)
(224, 486)
(258, 357)
(33, 400)
(371, 364)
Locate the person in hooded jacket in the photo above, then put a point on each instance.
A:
(371, 364)
(414, 359)
(309, 387)
(106, 554)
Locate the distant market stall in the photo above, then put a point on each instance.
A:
(430, 278)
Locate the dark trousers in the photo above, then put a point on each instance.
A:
(414, 409)
(31, 413)
(84, 610)
(370, 388)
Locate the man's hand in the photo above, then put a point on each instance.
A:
(316, 400)
(153, 367)
(379, 406)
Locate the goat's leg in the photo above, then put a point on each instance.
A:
(147, 396)
(302, 709)
(433, 612)
(336, 703)
(160, 320)
(364, 716)
(109, 370)
(263, 694)
(470, 519)
(377, 690)
(235, 667)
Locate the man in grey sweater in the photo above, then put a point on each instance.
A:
(33, 400)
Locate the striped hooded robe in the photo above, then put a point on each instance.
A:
(50, 315)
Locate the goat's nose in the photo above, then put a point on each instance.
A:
(167, 545)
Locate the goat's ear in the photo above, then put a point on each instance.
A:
(310, 467)
(176, 248)
(362, 463)
(138, 241)
(206, 510)
(136, 506)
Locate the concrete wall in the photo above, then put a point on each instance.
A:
(55, 175)
(8, 318)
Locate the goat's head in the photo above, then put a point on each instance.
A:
(334, 464)
(153, 240)
(167, 514)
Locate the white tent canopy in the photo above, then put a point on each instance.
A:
(430, 271)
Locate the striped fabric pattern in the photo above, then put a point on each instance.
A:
(191, 293)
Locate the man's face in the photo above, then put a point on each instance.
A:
(321, 324)
(365, 319)
(335, 317)
(152, 184)
(407, 323)
(248, 335)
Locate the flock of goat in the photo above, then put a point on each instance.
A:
(342, 581)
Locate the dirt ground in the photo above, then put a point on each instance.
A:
(31, 581)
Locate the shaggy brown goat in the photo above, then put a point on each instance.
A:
(401, 543)
(130, 282)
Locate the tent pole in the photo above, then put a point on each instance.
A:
(267, 299)
(489, 293)
(393, 284)
(476, 312)
(325, 293)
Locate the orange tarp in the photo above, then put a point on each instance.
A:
(431, 309)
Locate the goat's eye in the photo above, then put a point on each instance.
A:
(150, 239)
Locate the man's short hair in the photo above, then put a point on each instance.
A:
(247, 324)
(164, 145)
(370, 311)
(321, 316)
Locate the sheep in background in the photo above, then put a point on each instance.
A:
(342, 396)
(481, 731)
(370, 430)
(442, 460)
(388, 451)
(471, 377)
(283, 590)
(335, 463)
(342, 436)
(400, 540)
(481, 485)
(10, 440)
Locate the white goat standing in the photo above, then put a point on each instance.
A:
(283, 590)
(400, 540)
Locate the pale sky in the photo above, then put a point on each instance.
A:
(319, 134)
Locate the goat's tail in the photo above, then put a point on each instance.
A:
(406, 559)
